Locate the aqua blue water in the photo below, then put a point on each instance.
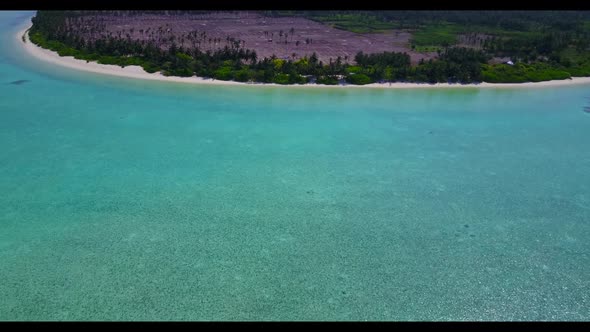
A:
(132, 200)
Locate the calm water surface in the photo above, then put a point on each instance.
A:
(131, 200)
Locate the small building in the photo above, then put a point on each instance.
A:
(498, 60)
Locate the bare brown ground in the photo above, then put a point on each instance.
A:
(265, 35)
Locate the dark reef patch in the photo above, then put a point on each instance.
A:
(19, 82)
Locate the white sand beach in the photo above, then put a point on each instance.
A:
(138, 73)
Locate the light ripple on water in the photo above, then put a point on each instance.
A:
(138, 201)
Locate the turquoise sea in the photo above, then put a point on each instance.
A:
(130, 200)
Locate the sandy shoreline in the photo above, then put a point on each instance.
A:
(138, 73)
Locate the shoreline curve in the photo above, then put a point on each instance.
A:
(137, 72)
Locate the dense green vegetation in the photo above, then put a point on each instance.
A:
(435, 37)
(521, 72)
(544, 46)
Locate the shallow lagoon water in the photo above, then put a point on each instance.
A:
(132, 200)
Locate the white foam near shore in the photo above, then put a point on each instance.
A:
(138, 73)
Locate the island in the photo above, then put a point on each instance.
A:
(328, 47)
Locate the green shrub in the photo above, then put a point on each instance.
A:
(244, 75)
(281, 79)
(327, 80)
(358, 79)
(150, 67)
(224, 73)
